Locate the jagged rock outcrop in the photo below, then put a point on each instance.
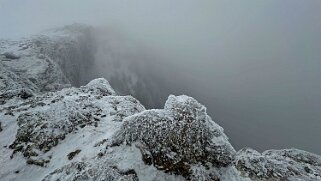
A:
(63, 113)
(288, 164)
(51, 131)
(177, 137)
(9, 81)
(44, 62)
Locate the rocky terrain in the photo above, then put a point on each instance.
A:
(52, 128)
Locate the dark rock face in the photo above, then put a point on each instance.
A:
(175, 138)
(72, 154)
(87, 171)
(289, 164)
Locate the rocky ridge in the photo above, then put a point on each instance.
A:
(52, 131)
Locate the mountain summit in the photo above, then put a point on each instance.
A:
(52, 128)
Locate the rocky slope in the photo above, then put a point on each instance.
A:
(52, 131)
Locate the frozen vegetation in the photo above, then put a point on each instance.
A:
(50, 130)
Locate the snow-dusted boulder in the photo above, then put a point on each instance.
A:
(10, 81)
(177, 137)
(99, 86)
(46, 120)
(9, 56)
(288, 164)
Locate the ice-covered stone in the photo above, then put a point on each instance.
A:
(48, 119)
(10, 81)
(175, 138)
(288, 164)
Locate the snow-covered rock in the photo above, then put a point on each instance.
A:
(47, 62)
(87, 171)
(10, 81)
(52, 131)
(288, 164)
(177, 137)
(46, 120)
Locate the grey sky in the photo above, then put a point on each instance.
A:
(255, 64)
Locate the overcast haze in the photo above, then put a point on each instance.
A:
(256, 65)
